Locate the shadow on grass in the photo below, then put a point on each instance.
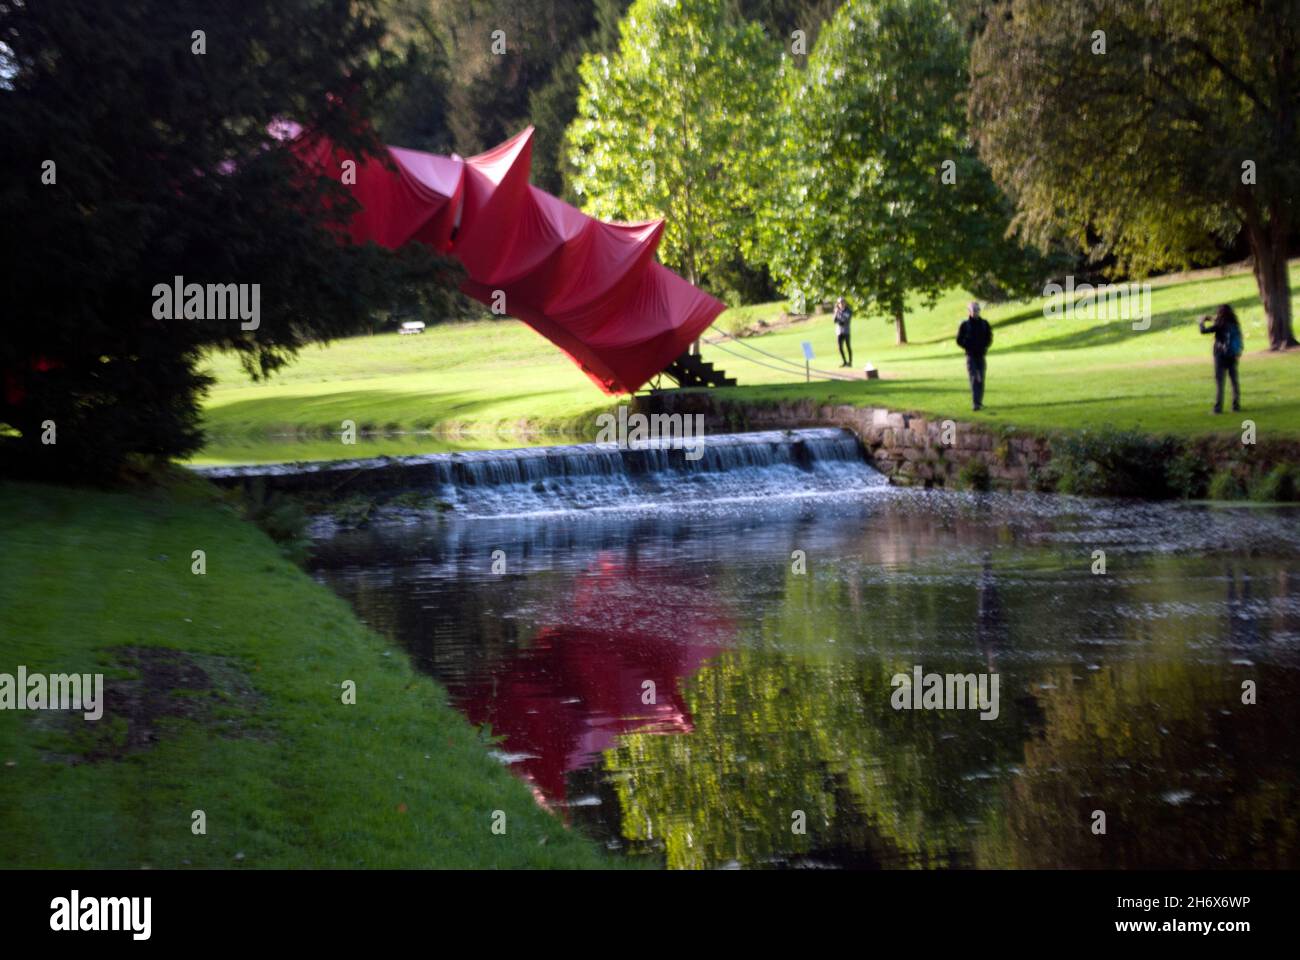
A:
(1110, 332)
(1029, 313)
(1106, 332)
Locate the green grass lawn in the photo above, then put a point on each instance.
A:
(487, 379)
(226, 697)
(1051, 373)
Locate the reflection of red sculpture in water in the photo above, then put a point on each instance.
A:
(565, 698)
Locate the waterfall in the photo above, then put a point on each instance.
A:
(591, 475)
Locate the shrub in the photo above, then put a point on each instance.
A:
(283, 520)
(1188, 476)
(354, 511)
(973, 475)
(280, 517)
(1042, 479)
(1279, 485)
(1225, 485)
(736, 419)
(1115, 463)
(735, 323)
(410, 500)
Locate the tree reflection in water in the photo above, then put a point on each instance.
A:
(1120, 693)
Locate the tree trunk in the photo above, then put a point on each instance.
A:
(1268, 251)
(900, 331)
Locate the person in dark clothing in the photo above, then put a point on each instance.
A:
(842, 317)
(1228, 345)
(975, 336)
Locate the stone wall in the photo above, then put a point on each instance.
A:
(908, 448)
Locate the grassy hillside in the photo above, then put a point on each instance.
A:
(488, 378)
(225, 695)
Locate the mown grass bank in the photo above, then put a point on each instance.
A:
(225, 695)
(494, 382)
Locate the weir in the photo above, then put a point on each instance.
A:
(589, 475)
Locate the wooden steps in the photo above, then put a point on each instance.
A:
(689, 370)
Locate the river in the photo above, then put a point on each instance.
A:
(701, 665)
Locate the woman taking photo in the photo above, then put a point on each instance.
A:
(1228, 345)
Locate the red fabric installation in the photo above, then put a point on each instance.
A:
(593, 289)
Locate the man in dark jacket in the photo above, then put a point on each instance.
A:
(975, 336)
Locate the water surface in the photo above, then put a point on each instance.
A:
(669, 677)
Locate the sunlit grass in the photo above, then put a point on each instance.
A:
(492, 378)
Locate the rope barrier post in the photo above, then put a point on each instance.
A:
(807, 361)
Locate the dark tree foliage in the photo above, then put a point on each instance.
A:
(780, 18)
(503, 64)
(552, 106)
(498, 54)
(414, 113)
(130, 159)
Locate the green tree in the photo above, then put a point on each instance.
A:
(1157, 127)
(678, 124)
(136, 150)
(881, 196)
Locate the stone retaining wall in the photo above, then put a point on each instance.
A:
(912, 449)
(908, 448)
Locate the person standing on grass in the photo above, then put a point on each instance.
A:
(842, 317)
(975, 336)
(1228, 346)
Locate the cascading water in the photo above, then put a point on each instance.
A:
(595, 476)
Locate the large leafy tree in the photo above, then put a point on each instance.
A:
(1157, 127)
(136, 150)
(678, 124)
(881, 197)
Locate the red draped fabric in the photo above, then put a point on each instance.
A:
(594, 289)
